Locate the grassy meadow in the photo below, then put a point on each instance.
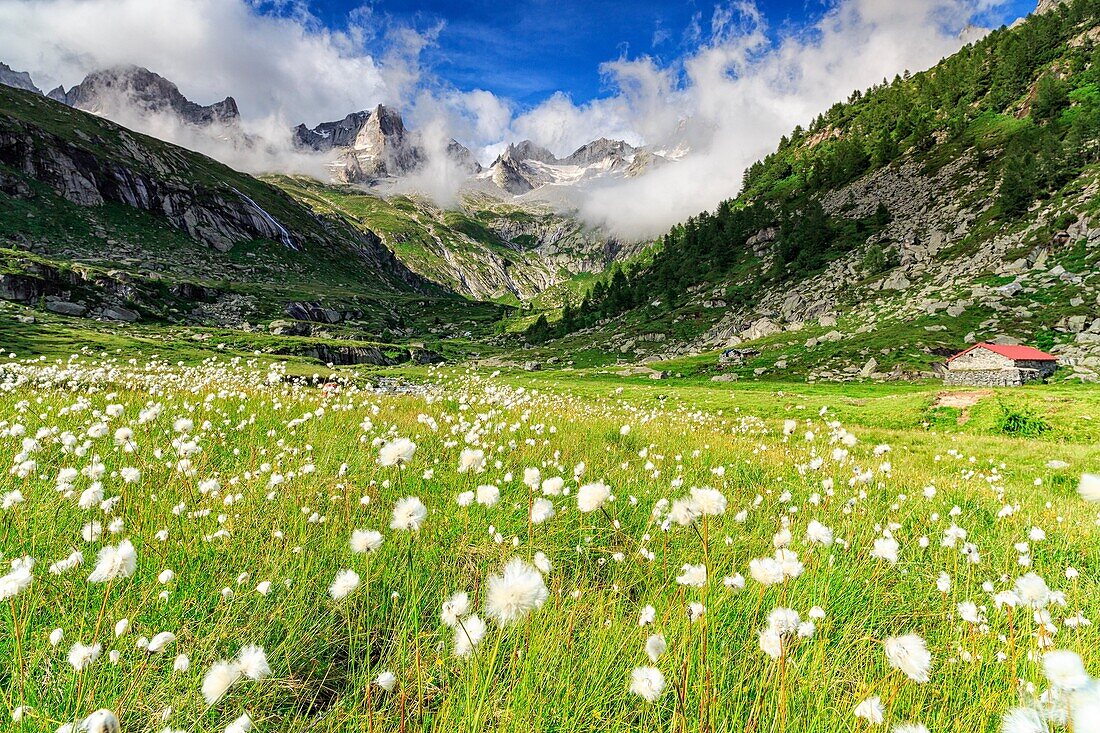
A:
(246, 494)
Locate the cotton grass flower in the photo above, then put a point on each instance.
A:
(243, 724)
(647, 682)
(591, 497)
(408, 514)
(386, 680)
(15, 582)
(515, 592)
(101, 721)
(655, 646)
(471, 459)
(709, 502)
(252, 661)
(541, 510)
(365, 540)
(221, 676)
(871, 710)
(1089, 487)
(160, 642)
(118, 561)
(1032, 591)
(909, 654)
(488, 495)
(1023, 720)
(343, 584)
(468, 634)
(454, 608)
(396, 451)
(910, 728)
(81, 656)
(1065, 670)
(694, 576)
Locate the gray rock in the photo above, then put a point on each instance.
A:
(64, 307)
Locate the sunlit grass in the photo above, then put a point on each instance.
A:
(567, 665)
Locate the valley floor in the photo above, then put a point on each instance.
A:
(187, 545)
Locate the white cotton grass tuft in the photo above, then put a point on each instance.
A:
(454, 608)
(386, 680)
(160, 642)
(365, 540)
(343, 584)
(655, 646)
(113, 562)
(408, 514)
(871, 710)
(81, 656)
(647, 682)
(591, 497)
(909, 654)
(252, 662)
(1089, 488)
(242, 724)
(694, 576)
(396, 451)
(1023, 720)
(220, 677)
(708, 502)
(488, 495)
(1065, 670)
(101, 721)
(468, 634)
(541, 510)
(1032, 591)
(15, 582)
(515, 592)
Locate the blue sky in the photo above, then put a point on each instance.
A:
(525, 51)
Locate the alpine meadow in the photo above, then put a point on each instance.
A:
(574, 368)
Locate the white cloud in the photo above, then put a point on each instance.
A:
(740, 89)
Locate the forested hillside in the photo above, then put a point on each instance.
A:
(1023, 105)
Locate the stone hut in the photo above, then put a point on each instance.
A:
(999, 365)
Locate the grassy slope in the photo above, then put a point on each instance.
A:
(567, 667)
(118, 238)
(418, 232)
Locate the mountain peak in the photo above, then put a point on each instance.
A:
(599, 150)
(18, 79)
(527, 150)
(136, 86)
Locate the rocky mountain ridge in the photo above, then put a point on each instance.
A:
(135, 88)
(373, 145)
(365, 147)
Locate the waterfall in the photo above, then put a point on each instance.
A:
(284, 235)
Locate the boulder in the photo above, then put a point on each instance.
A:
(64, 307)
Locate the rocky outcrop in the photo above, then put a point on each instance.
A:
(218, 217)
(17, 79)
(373, 145)
(613, 152)
(135, 88)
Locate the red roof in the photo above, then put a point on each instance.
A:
(1019, 353)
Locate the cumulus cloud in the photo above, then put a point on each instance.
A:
(741, 90)
(738, 88)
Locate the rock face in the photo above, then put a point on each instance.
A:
(1045, 6)
(374, 145)
(219, 218)
(107, 91)
(18, 79)
(90, 161)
